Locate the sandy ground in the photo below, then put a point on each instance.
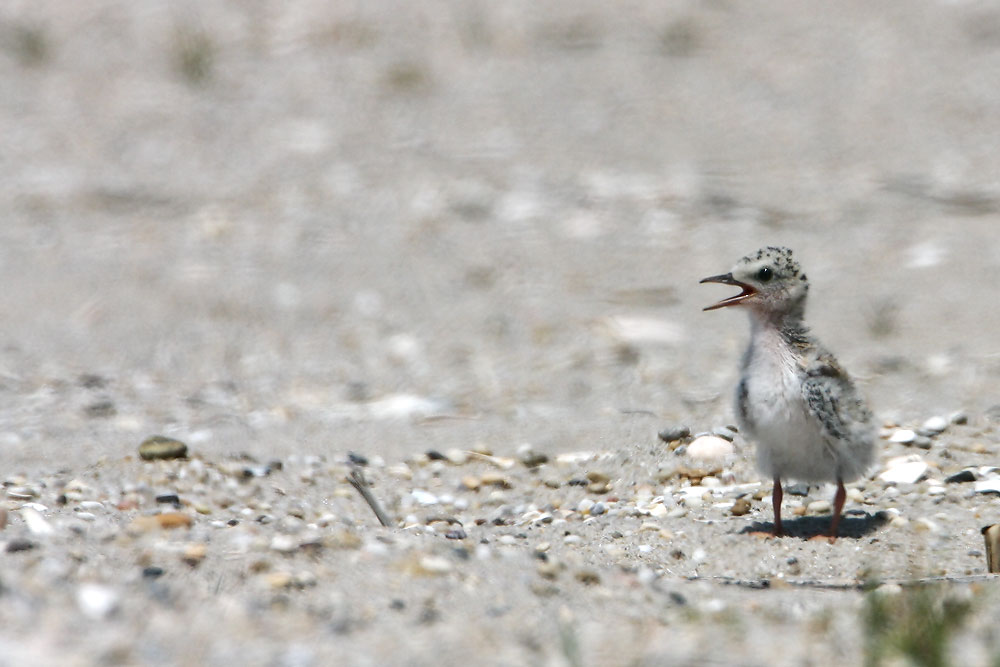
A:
(282, 232)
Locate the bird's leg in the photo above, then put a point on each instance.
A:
(838, 505)
(776, 501)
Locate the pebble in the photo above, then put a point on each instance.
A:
(161, 447)
(96, 601)
(37, 524)
(961, 477)
(423, 497)
(903, 436)
(935, 425)
(740, 507)
(819, 507)
(434, 565)
(724, 432)
(988, 486)
(495, 479)
(904, 470)
(584, 506)
(674, 433)
(166, 521)
(19, 544)
(709, 447)
(284, 544)
(529, 457)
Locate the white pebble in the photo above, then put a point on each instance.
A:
(936, 424)
(988, 486)
(903, 436)
(904, 470)
(818, 507)
(424, 497)
(96, 601)
(36, 523)
(709, 447)
(572, 539)
(284, 544)
(583, 507)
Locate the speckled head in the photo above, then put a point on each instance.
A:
(772, 281)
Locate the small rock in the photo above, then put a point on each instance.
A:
(284, 544)
(495, 479)
(741, 506)
(165, 521)
(674, 433)
(709, 447)
(19, 544)
(529, 457)
(96, 601)
(588, 577)
(819, 507)
(37, 524)
(935, 425)
(456, 534)
(161, 447)
(961, 477)
(583, 507)
(471, 482)
(457, 456)
(434, 565)
(724, 432)
(194, 553)
(424, 498)
(357, 459)
(598, 509)
(959, 418)
(797, 489)
(904, 470)
(988, 486)
(903, 436)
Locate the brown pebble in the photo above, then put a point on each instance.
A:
(471, 482)
(741, 506)
(599, 487)
(589, 577)
(161, 447)
(194, 553)
(495, 479)
(166, 521)
(598, 477)
(3, 518)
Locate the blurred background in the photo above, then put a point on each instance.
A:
(383, 227)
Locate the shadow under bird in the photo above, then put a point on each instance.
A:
(794, 400)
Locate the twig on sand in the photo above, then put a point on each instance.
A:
(358, 481)
(844, 584)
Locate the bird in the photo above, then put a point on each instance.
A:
(793, 398)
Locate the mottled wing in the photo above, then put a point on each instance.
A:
(833, 401)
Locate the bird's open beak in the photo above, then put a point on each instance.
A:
(727, 279)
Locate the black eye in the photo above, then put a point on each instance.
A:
(765, 274)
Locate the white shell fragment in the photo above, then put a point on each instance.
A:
(904, 470)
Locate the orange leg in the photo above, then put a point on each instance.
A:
(838, 505)
(776, 501)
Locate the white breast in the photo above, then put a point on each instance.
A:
(788, 439)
